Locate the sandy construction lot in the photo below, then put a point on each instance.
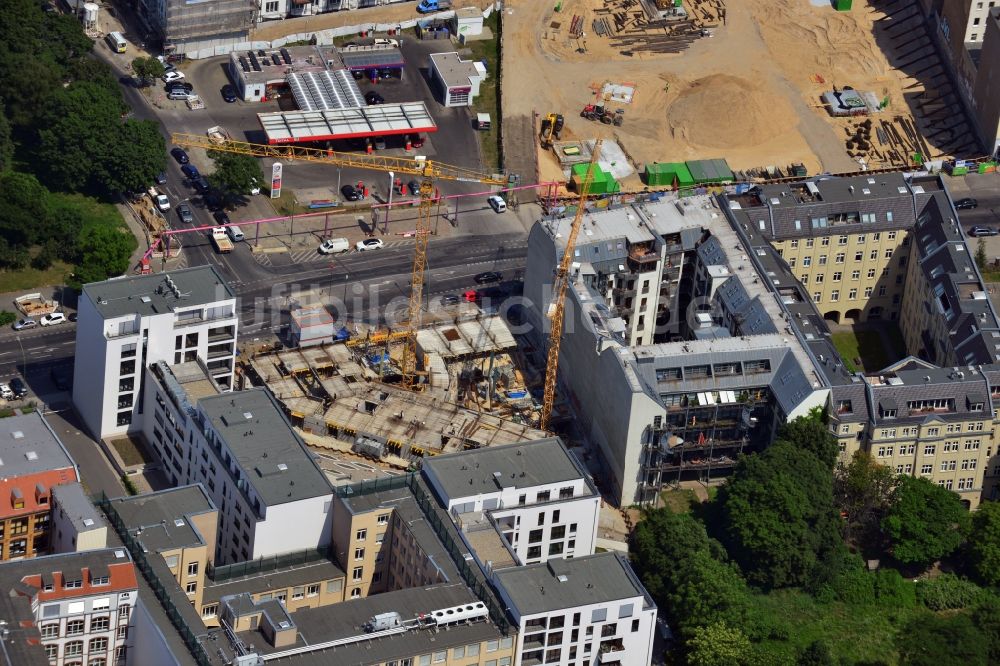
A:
(749, 93)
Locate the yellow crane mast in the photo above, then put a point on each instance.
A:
(428, 171)
(557, 308)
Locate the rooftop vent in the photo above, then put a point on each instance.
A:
(17, 434)
(248, 415)
(120, 554)
(282, 467)
(31, 455)
(178, 522)
(88, 522)
(145, 299)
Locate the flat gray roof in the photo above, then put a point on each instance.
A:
(293, 576)
(524, 465)
(453, 70)
(276, 461)
(29, 446)
(592, 579)
(162, 516)
(77, 507)
(148, 295)
(343, 620)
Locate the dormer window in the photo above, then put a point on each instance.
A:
(844, 407)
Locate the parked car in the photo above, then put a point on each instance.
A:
(334, 245)
(18, 387)
(235, 233)
(450, 299)
(372, 97)
(191, 171)
(968, 203)
(982, 231)
(351, 193)
(413, 187)
(184, 212)
(173, 76)
(162, 202)
(5, 392)
(254, 187)
(179, 95)
(161, 178)
(488, 277)
(497, 203)
(72, 316)
(53, 318)
(179, 155)
(369, 244)
(221, 217)
(200, 184)
(385, 41)
(229, 93)
(179, 85)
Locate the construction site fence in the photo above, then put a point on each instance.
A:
(226, 572)
(142, 563)
(439, 521)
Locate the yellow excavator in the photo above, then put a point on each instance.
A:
(552, 124)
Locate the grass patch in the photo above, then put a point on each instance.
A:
(91, 209)
(488, 100)
(286, 204)
(863, 346)
(679, 500)
(29, 278)
(128, 451)
(855, 634)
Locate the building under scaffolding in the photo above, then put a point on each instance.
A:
(334, 391)
(185, 27)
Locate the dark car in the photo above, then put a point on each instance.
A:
(200, 184)
(18, 387)
(372, 97)
(968, 203)
(450, 299)
(179, 85)
(350, 193)
(982, 231)
(229, 93)
(72, 316)
(184, 212)
(191, 171)
(358, 74)
(180, 155)
(488, 277)
(221, 217)
(414, 187)
(161, 178)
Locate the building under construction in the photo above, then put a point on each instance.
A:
(343, 397)
(184, 27)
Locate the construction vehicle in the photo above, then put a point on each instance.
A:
(603, 114)
(221, 241)
(427, 170)
(552, 124)
(557, 308)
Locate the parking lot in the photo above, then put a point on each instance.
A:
(454, 143)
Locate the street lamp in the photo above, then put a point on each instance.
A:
(392, 182)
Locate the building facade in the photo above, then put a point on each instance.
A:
(127, 323)
(33, 462)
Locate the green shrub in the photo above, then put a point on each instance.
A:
(948, 592)
(129, 486)
(7, 318)
(855, 587)
(894, 591)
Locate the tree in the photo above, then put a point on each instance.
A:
(779, 522)
(718, 645)
(140, 155)
(863, 490)
(23, 211)
(925, 523)
(147, 70)
(986, 616)
(981, 254)
(234, 175)
(812, 434)
(662, 540)
(707, 591)
(816, 653)
(984, 542)
(6, 143)
(932, 640)
(104, 252)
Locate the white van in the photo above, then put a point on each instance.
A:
(235, 234)
(385, 41)
(335, 246)
(497, 203)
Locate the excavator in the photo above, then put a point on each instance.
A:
(552, 124)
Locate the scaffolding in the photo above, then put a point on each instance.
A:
(186, 21)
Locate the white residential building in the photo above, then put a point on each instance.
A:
(587, 610)
(534, 494)
(127, 323)
(272, 497)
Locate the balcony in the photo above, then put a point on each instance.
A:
(220, 334)
(222, 351)
(611, 652)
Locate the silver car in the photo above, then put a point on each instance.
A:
(24, 324)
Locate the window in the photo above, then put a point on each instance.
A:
(842, 240)
(356, 593)
(949, 465)
(50, 630)
(73, 649)
(839, 258)
(835, 295)
(191, 588)
(822, 260)
(312, 590)
(271, 7)
(361, 535)
(598, 615)
(440, 656)
(892, 234)
(74, 627)
(858, 256)
(809, 242)
(873, 255)
(100, 623)
(383, 519)
(359, 553)
(885, 452)
(357, 573)
(868, 292)
(210, 611)
(72, 584)
(852, 294)
(871, 273)
(542, 496)
(806, 262)
(817, 297)
(52, 652)
(837, 276)
(98, 645)
(334, 586)
(926, 469)
(123, 612)
(933, 432)
(819, 278)
(193, 569)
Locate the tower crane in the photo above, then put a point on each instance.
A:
(427, 170)
(557, 308)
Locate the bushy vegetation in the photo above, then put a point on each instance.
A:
(780, 568)
(66, 144)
